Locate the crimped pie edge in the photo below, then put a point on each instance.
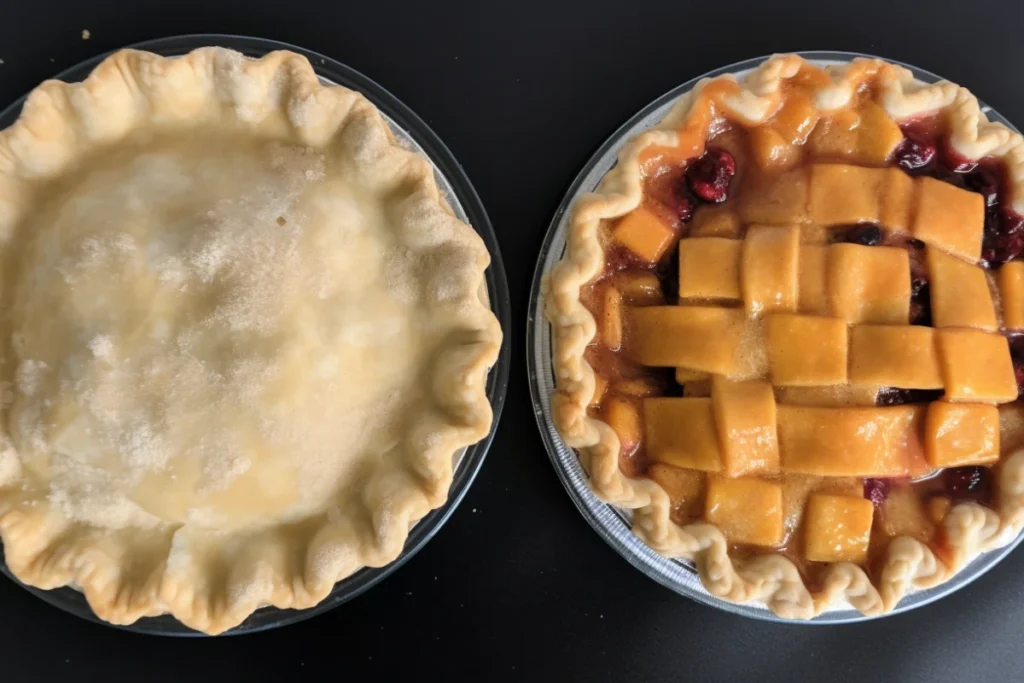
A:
(770, 578)
(59, 123)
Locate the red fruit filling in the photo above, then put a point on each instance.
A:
(1003, 238)
(876, 490)
(956, 162)
(868, 235)
(683, 206)
(710, 175)
(1017, 356)
(967, 482)
(920, 302)
(892, 396)
(914, 153)
(985, 181)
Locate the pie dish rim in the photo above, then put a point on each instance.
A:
(615, 528)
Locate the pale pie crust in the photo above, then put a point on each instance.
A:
(242, 337)
(769, 578)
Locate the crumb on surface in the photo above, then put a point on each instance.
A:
(85, 34)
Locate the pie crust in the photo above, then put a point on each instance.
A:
(769, 578)
(244, 338)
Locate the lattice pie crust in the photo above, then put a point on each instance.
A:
(771, 578)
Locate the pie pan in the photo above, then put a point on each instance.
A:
(412, 133)
(614, 524)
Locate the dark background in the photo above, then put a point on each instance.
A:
(517, 586)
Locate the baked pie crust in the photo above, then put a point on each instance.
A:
(709, 270)
(244, 337)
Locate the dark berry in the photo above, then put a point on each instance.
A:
(967, 482)
(892, 396)
(918, 272)
(948, 176)
(985, 182)
(683, 206)
(1017, 356)
(710, 175)
(876, 490)
(914, 153)
(667, 272)
(1003, 237)
(868, 235)
(920, 302)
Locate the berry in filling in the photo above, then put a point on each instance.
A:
(709, 177)
(867, 235)
(914, 154)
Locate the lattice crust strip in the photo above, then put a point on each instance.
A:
(741, 430)
(823, 196)
(816, 351)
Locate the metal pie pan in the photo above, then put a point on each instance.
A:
(414, 134)
(612, 523)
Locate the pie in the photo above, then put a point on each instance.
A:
(243, 337)
(787, 334)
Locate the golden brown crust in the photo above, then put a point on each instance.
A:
(131, 573)
(772, 579)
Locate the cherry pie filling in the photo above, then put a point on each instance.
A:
(807, 331)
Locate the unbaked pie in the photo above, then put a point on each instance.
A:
(243, 337)
(786, 334)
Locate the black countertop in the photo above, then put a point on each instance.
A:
(517, 586)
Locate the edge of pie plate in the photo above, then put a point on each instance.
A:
(456, 188)
(614, 524)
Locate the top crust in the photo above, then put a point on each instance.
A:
(209, 585)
